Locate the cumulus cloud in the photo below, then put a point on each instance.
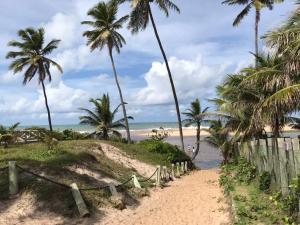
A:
(192, 79)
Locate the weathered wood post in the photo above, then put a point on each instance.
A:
(182, 167)
(136, 182)
(186, 166)
(13, 178)
(116, 198)
(177, 170)
(158, 177)
(82, 209)
(263, 154)
(283, 166)
(173, 171)
(164, 173)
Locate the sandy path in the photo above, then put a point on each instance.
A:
(194, 199)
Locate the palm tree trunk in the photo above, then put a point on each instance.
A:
(170, 77)
(198, 141)
(47, 106)
(257, 18)
(121, 97)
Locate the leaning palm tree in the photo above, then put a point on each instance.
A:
(220, 138)
(102, 118)
(32, 55)
(139, 19)
(104, 34)
(195, 116)
(257, 5)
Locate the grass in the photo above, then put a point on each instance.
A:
(55, 164)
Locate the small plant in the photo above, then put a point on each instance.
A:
(159, 134)
(226, 181)
(245, 172)
(264, 181)
(240, 198)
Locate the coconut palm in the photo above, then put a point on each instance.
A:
(140, 16)
(219, 137)
(102, 118)
(195, 116)
(32, 55)
(257, 5)
(104, 34)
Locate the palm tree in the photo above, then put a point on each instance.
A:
(32, 54)
(257, 5)
(219, 137)
(139, 19)
(195, 116)
(102, 118)
(104, 34)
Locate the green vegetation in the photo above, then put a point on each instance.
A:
(254, 201)
(33, 55)
(195, 116)
(60, 163)
(102, 118)
(154, 152)
(105, 34)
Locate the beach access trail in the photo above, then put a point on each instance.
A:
(192, 199)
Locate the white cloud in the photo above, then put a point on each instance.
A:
(192, 79)
(62, 27)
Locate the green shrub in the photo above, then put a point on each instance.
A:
(264, 181)
(173, 153)
(69, 134)
(245, 172)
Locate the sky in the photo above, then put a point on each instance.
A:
(200, 42)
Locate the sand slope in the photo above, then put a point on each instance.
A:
(194, 199)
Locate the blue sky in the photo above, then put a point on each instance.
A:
(201, 44)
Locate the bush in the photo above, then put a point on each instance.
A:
(264, 181)
(72, 135)
(174, 154)
(245, 172)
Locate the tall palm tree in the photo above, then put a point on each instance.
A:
(140, 16)
(104, 34)
(195, 116)
(257, 5)
(102, 118)
(32, 54)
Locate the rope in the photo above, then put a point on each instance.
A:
(44, 178)
(125, 182)
(150, 176)
(93, 188)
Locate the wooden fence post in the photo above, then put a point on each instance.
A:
(136, 182)
(158, 172)
(291, 159)
(13, 178)
(173, 171)
(296, 150)
(83, 211)
(283, 166)
(116, 198)
(177, 170)
(186, 166)
(182, 167)
(164, 173)
(263, 153)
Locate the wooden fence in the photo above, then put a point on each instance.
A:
(280, 157)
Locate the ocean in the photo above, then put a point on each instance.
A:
(133, 126)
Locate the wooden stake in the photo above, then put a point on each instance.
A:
(158, 180)
(173, 171)
(83, 211)
(136, 182)
(13, 178)
(177, 170)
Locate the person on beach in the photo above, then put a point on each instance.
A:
(188, 148)
(193, 149)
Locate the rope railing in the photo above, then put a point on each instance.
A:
(14, 170)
